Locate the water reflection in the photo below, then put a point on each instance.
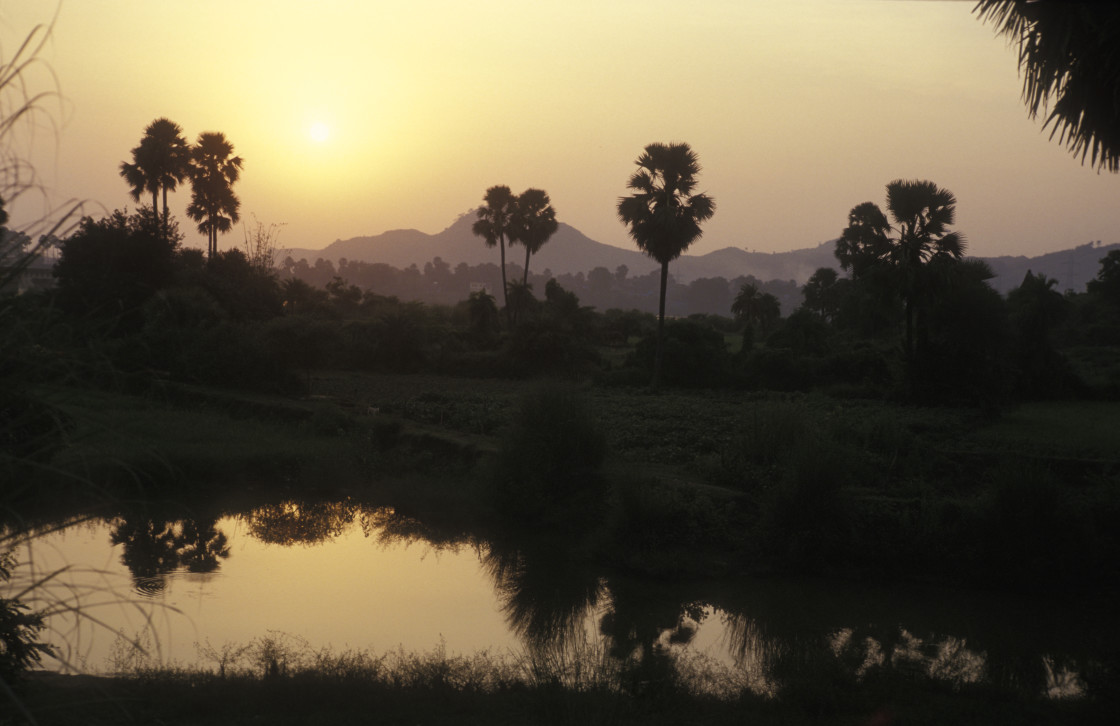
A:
(647, 636)
(153, 548)
(545, 596)
(295, 522)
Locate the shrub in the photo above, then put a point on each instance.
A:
(551, 460)
(695, 355)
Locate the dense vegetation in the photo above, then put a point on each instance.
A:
(903, 422)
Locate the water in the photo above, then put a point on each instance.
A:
(347, 577)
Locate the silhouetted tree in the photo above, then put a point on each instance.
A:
(520, 301)
(1069, 62)
(922, 213)
(750, 306)
(664, 215)
(822, 294)
(160, 163)
(1107, 283)
(214, 171)
(534, 222)
(1036, 310)
(482, 314)
(112, 265)
(495, 225)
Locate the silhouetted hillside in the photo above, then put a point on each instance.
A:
(571, 252)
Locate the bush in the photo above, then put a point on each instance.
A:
(550, 465)
(695, 355)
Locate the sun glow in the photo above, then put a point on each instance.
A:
(320, 132)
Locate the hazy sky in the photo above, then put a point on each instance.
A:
(798, 109)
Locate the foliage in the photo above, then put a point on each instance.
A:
(111, 266)
(534, 222)
(1069, 65)
(822, 293)
(694, 355)
(214, 171)
(1036, 310)
(495, 225)
(20, 647)
(260, 245)
(964, 357)
(1107, 283)
(922, 213)
(752, 307)
(550, 465)
(161, 162)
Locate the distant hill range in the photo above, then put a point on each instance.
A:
(570, 251)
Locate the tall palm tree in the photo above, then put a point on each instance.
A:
(495, 225)
(922, 213)
(213, 204)
(160, 163)
(664, 214)
(534, 222)
(1070, 64)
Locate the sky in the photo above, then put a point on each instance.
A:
(354, 118)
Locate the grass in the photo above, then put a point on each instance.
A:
(577, 686)
(1073, 429)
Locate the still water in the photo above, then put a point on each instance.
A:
(348, 577)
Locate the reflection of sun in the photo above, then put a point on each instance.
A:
(320, 132)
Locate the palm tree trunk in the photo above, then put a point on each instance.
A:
(505, 290)
(658, 356)
(528, 252)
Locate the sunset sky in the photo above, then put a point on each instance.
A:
(359, 117)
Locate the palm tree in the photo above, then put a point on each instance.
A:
(922, 213)
(213, 204)
(160, 163)
(664, 214)
(751, 306)
(495, 225)
(1069, 62)
(534, 222)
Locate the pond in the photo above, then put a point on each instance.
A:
(302, 577)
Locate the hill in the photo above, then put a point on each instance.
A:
(570, 251)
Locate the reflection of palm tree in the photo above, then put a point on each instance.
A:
(664, 214)
(213, 204)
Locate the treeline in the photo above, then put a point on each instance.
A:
(159, 310)
(437, 282)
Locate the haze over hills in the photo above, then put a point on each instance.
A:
(570, 251)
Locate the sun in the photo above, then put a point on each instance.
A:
(320, 132)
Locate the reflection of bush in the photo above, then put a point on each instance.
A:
(154, 547)
(306, 523)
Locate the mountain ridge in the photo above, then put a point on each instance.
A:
(571, 251)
